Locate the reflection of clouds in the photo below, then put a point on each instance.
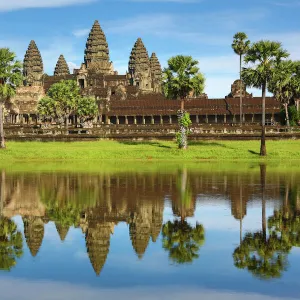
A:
(81, 255)
(46, 290)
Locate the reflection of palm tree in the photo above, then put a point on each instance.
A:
(264, 256)
(11, 244)
(286, 221)
(180, 239)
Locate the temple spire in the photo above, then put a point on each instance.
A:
(97, 52)
(34, 233)
(139, 66)
(62, 67)
(33, 68)
(156, 73)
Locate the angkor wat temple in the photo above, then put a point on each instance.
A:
(133, 98)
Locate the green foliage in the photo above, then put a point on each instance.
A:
(264, 257)
(294, 115)
(185, 122)
(10, 74)
(240, 43)
(11, 244)
(46, 108)
(182, 77)
(86, 108)
(285, 83)
(64, 99)
(263, 56)
(182, 241)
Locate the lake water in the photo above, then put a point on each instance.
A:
(202, 231)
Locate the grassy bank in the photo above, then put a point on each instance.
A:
(284, 150)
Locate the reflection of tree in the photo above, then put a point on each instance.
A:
(11, 244)
(264, 256)
(286, 221)
(180, 239)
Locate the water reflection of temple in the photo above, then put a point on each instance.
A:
(96, 203)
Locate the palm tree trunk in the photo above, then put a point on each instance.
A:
(2, 140)
(287, 114)
(263, 151)
(241, 96)
(2, 192)
(263, 168)
(183, 130)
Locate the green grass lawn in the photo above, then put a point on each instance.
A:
(148, 150)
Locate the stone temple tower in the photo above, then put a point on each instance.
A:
(96, 56)
(33, 68)
(62, 68)
(139, 66)
(156, 73)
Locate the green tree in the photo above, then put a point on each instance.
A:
(182, 241)
(181, 78)
(240, 46)
(10, 79)
(46, 108)
(263, 56)
(62, 103)
(285, 84)
(11, 244)
(86, 109)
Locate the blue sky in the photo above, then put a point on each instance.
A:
(201, 28)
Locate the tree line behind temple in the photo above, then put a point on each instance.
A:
(266, 66)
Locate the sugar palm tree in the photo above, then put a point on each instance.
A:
(180, 78)
(263, 56)
(10, 79)
(240, 46)
(285, 84)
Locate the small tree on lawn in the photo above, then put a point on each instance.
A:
(10, 79)
(181, 78)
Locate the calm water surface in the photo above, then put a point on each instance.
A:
(174, 233)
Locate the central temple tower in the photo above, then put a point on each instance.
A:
(96, 55)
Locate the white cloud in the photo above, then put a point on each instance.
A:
(21, 4)
(81, 32)
(73, 66)
(47, 290)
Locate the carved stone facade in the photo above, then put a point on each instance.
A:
(236, 90)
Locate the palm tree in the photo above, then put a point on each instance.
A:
(181, 78)
(263, 56)
(240, 46)
(285, 84)
(10, 79)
